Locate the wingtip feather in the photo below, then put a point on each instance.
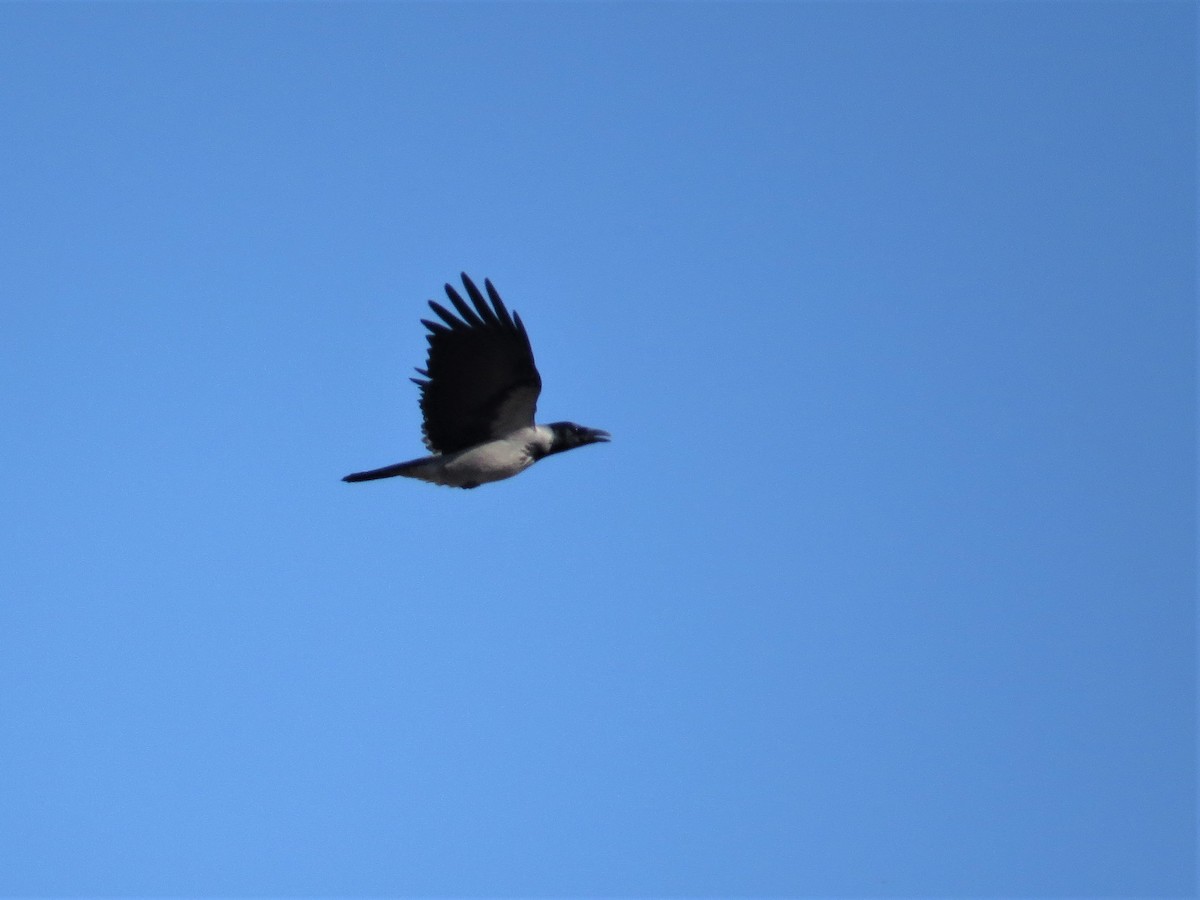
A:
(469, 316)
(486, 314)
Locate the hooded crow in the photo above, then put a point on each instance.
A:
(478, 396)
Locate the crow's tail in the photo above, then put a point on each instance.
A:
(404, 468)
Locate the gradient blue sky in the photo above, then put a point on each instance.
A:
(884, 587)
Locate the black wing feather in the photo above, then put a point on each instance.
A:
(486, 313)
(480, 378)
(501, 309)
(465, 312)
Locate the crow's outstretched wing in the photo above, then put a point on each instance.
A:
(480, 381)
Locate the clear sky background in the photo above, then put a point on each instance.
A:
(885, 585)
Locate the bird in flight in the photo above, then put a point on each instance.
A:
(478, 396)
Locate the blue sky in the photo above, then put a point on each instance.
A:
(884, 587)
